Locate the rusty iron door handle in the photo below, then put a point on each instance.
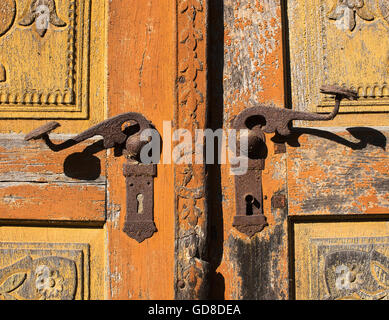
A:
(250, 218)
(139, 223)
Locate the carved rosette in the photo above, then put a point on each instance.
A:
(43, 271)
(39, 279)
(353, 268)
(191, 211)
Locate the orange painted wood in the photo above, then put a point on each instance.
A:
(33, 161)
(332, 173)
(253, 72)
(35, 184)
(141, 67)
(53, 202)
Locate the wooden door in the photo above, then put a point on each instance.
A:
(338, 178)
(188, 65)
(325, 190)
(62, 211)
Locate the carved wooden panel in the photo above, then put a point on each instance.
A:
(44, 271)
(339, 42)
(342, 260)
(44, 58)
(52, 263)
(353, 268)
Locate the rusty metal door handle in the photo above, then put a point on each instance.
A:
(278, 120)
(139, 223)
(250, 218)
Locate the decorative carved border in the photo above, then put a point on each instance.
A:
(372, 97)
(309, 68)
(189, 181)
(376, 95)
(71, 102)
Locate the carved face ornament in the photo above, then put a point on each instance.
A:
(44, 13)
(348, 10)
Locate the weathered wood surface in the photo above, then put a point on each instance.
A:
(52, 263)
(141, 80)
(328, 172)
(339, 172)
(326, 49)
(160, 56)
(342, 260)
(192, 266)
(38, 184)
(61, 75)
(251, 71)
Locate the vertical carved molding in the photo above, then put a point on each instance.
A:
(190, 189)
(3, 73)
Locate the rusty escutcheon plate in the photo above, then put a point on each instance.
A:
(139, 222)
(250, 218)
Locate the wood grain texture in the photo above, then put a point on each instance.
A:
(39, 184)
(33, 161)
(38, 66)
(191, 212)
(141, 67)
(323, 50)
(322, 249)
(251, 268)
(337, 173)
(53, 243)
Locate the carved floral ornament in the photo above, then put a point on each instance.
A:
(43, 13)
(346, 11)
(49, 283)
(45, 278)
(356, 274)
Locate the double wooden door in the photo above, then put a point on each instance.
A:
(189, 65)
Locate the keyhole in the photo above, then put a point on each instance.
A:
(140, 197)
(249, 205)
